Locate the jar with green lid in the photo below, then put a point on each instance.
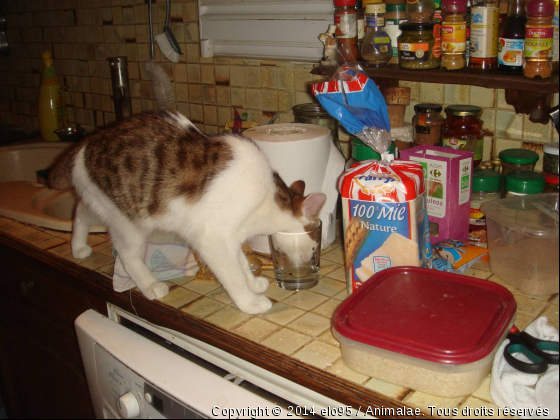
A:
(551, 162)
(552, 183)
(395, 16)
(463, 130)
(361, 152)
(419, 48)
(487, 186)
(521, 183)
(518, 160)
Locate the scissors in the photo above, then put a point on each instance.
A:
(541, 353)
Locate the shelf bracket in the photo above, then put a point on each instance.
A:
(536, 105)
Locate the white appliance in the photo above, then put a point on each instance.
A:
(138, 370)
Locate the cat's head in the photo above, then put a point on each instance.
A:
(305, 215)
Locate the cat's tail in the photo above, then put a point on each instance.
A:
(60, 175)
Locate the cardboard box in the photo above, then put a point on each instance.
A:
(448, 175)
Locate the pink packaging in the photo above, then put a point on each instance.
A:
(448, 175)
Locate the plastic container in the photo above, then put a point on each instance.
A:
(442, 342)
(552, 183)
(487, 186)
(551, 161)
(520, 183)
(523, 242)
(518, 160)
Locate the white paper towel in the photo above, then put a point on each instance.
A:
(302, 152)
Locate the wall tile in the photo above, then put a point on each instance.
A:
(456, 94)
(536, 132)
(237, 76)
(509, 125)
(432, 93)
(486, 98)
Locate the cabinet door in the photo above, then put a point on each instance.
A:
(44, 368)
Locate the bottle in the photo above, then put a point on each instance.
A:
(468, 18)
(396, 14)
(539, 39)
(376, 48)
(346, 20)
(512, 39)
(555, 43)
(49, 100)
(361, 23)
(504, 11)
(420, 11)
(454, 34)
(485, 27)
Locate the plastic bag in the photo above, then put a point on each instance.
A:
(354, 99)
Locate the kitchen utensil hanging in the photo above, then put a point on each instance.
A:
(167, 41)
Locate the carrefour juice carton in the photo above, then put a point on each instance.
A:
(385, 219)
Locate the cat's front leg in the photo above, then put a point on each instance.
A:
(83, 221)
(224, 261)
(258, 284)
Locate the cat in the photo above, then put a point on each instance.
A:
(157, 171)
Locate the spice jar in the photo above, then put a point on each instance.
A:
(420, 11)
(395, 16)
(454, 34)
(551, 162)
(346, 20)
(463, 130)
(518, 160)
(539, 39)
(427, 123)
(419, 49)
(552, 183)
(376, 47)
(487, 186)
(524, 183)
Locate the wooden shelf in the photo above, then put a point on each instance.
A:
(465, 77)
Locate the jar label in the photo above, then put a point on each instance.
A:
(510, 52)
(347, 25)
(556, 23)
(454, 38)
(485, 27)
(382, 42)
(538, 42)
(361, 28)
(394, 32)
(416, 52)
(478, 235)
(375, 21)
(436, 51)
(461, 144)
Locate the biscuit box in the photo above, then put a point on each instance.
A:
(448, 175)
(385, 218)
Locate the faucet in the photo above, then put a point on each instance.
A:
(121, 87)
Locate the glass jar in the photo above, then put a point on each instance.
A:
(395, 16)
(551, 162)
(524, 183)
(361, 152)
(313, 113)
(346, 19)
(518, 160)
(454, 34)
(539, 39)
(376, 47)
(487, 186)
(420, 11)
(463, 130)
(552, 183)
(428, 123)
(485, 31)
(418, 46)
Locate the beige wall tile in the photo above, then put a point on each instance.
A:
(509, 125)
(483, 97)
(536, 132)
(431, 93)
(457, 94)
(237, 76)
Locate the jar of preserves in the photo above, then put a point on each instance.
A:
(551, 162)
(524, 183)
(518, 160)
(552, 183)
(419, 46)
(346, 20)
(487, 186)
(463, 130)
(428, 123)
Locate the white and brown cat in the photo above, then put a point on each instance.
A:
(157, 171)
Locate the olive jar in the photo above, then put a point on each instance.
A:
(518, 160)
(419, 49)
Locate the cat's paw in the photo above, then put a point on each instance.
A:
(258, 305)
(258, 284)
(156, 291)
(81, 252)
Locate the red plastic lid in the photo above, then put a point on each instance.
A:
(427, 314)
(339, 3)
(551, 178)
(540, 7)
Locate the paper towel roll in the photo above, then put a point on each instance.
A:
(301, 152)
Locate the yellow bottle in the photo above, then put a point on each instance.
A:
(49, 100)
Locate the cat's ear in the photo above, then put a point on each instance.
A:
(312, 205)
(298, 187)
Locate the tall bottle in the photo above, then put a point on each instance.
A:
(512, 39)
(346, 20)
(485, 31)
(49, 100)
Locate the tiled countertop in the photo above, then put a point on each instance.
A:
(299, 323)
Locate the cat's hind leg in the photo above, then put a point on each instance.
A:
(258, 284)
(130, 242)
(83, 221)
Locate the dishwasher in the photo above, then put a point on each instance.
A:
(136, 369)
